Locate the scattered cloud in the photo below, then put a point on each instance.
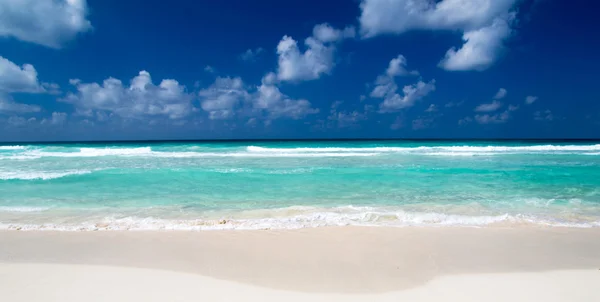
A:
(454, 104)
(251, 55)
(387, 89)
(465, 121)
(223, 97)
(209, 69)
(498, 118)
(276, 104)
(57, 118)
(8, 105)
(325, 33)
(423, 123)
(50, 23)
(500, 94)
(343, 118)
(431, 108)
(485, 25)
(530, 99)
(142, 98)
(480, 50)
(513, 107)
(19, 121)
(316, 60)
(14, 78)
(545, 115)
(397, 67)
(489, 107)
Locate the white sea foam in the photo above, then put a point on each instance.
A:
(43, 175)
(470, 149)
(147, 152)
(307, 217)
(12, 147)
(22, 209)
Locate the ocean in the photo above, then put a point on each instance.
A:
(298, 184)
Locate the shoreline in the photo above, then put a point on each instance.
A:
(329, 260)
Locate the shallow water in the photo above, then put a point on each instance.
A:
(256, 185)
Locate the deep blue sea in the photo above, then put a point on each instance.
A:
(296, 184)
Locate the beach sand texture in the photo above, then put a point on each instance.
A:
(321, 264)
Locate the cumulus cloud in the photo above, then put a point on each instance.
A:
(387, 89)
(8, 105)
(344, 118)
(431, 108)
(480, 50)
(57, 118)
(325, 33)
(46, 22)
(493, 118)
(316, 60)
(142, 98)
(397, 67)
(394, 101)
(228, 96)
(14, 78)
(489, 107)
(500, 94)
(19, 121)
(485, 25)
(530, 99)
(250, 55)
(223, 97)
(276, 104)
(209, 69)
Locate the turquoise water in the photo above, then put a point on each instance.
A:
(257, 185)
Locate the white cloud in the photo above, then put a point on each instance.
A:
(500, 94)
(58, 118)
(8, 105)
(14, 78)
(276, 104)
(325, 33)
(489, 107)
(480, 50)
(410, 94)
(530, 99)
(310, 65)
(46, 22)
(141, 99)
(498, 118)
(543, 115)
(397, 67)
(344, 119)
(227, 97)
(484, 24)
(513, 107)
(387, 89)
(222, 98)
(316, 60)
(431, 108)
(19, 121)
(251, 54)
(209, 69)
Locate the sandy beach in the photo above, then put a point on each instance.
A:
(321, 264)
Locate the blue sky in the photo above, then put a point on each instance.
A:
(107, 69)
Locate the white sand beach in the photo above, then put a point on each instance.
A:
(322, 264)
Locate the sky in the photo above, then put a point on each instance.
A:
(235, 69)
